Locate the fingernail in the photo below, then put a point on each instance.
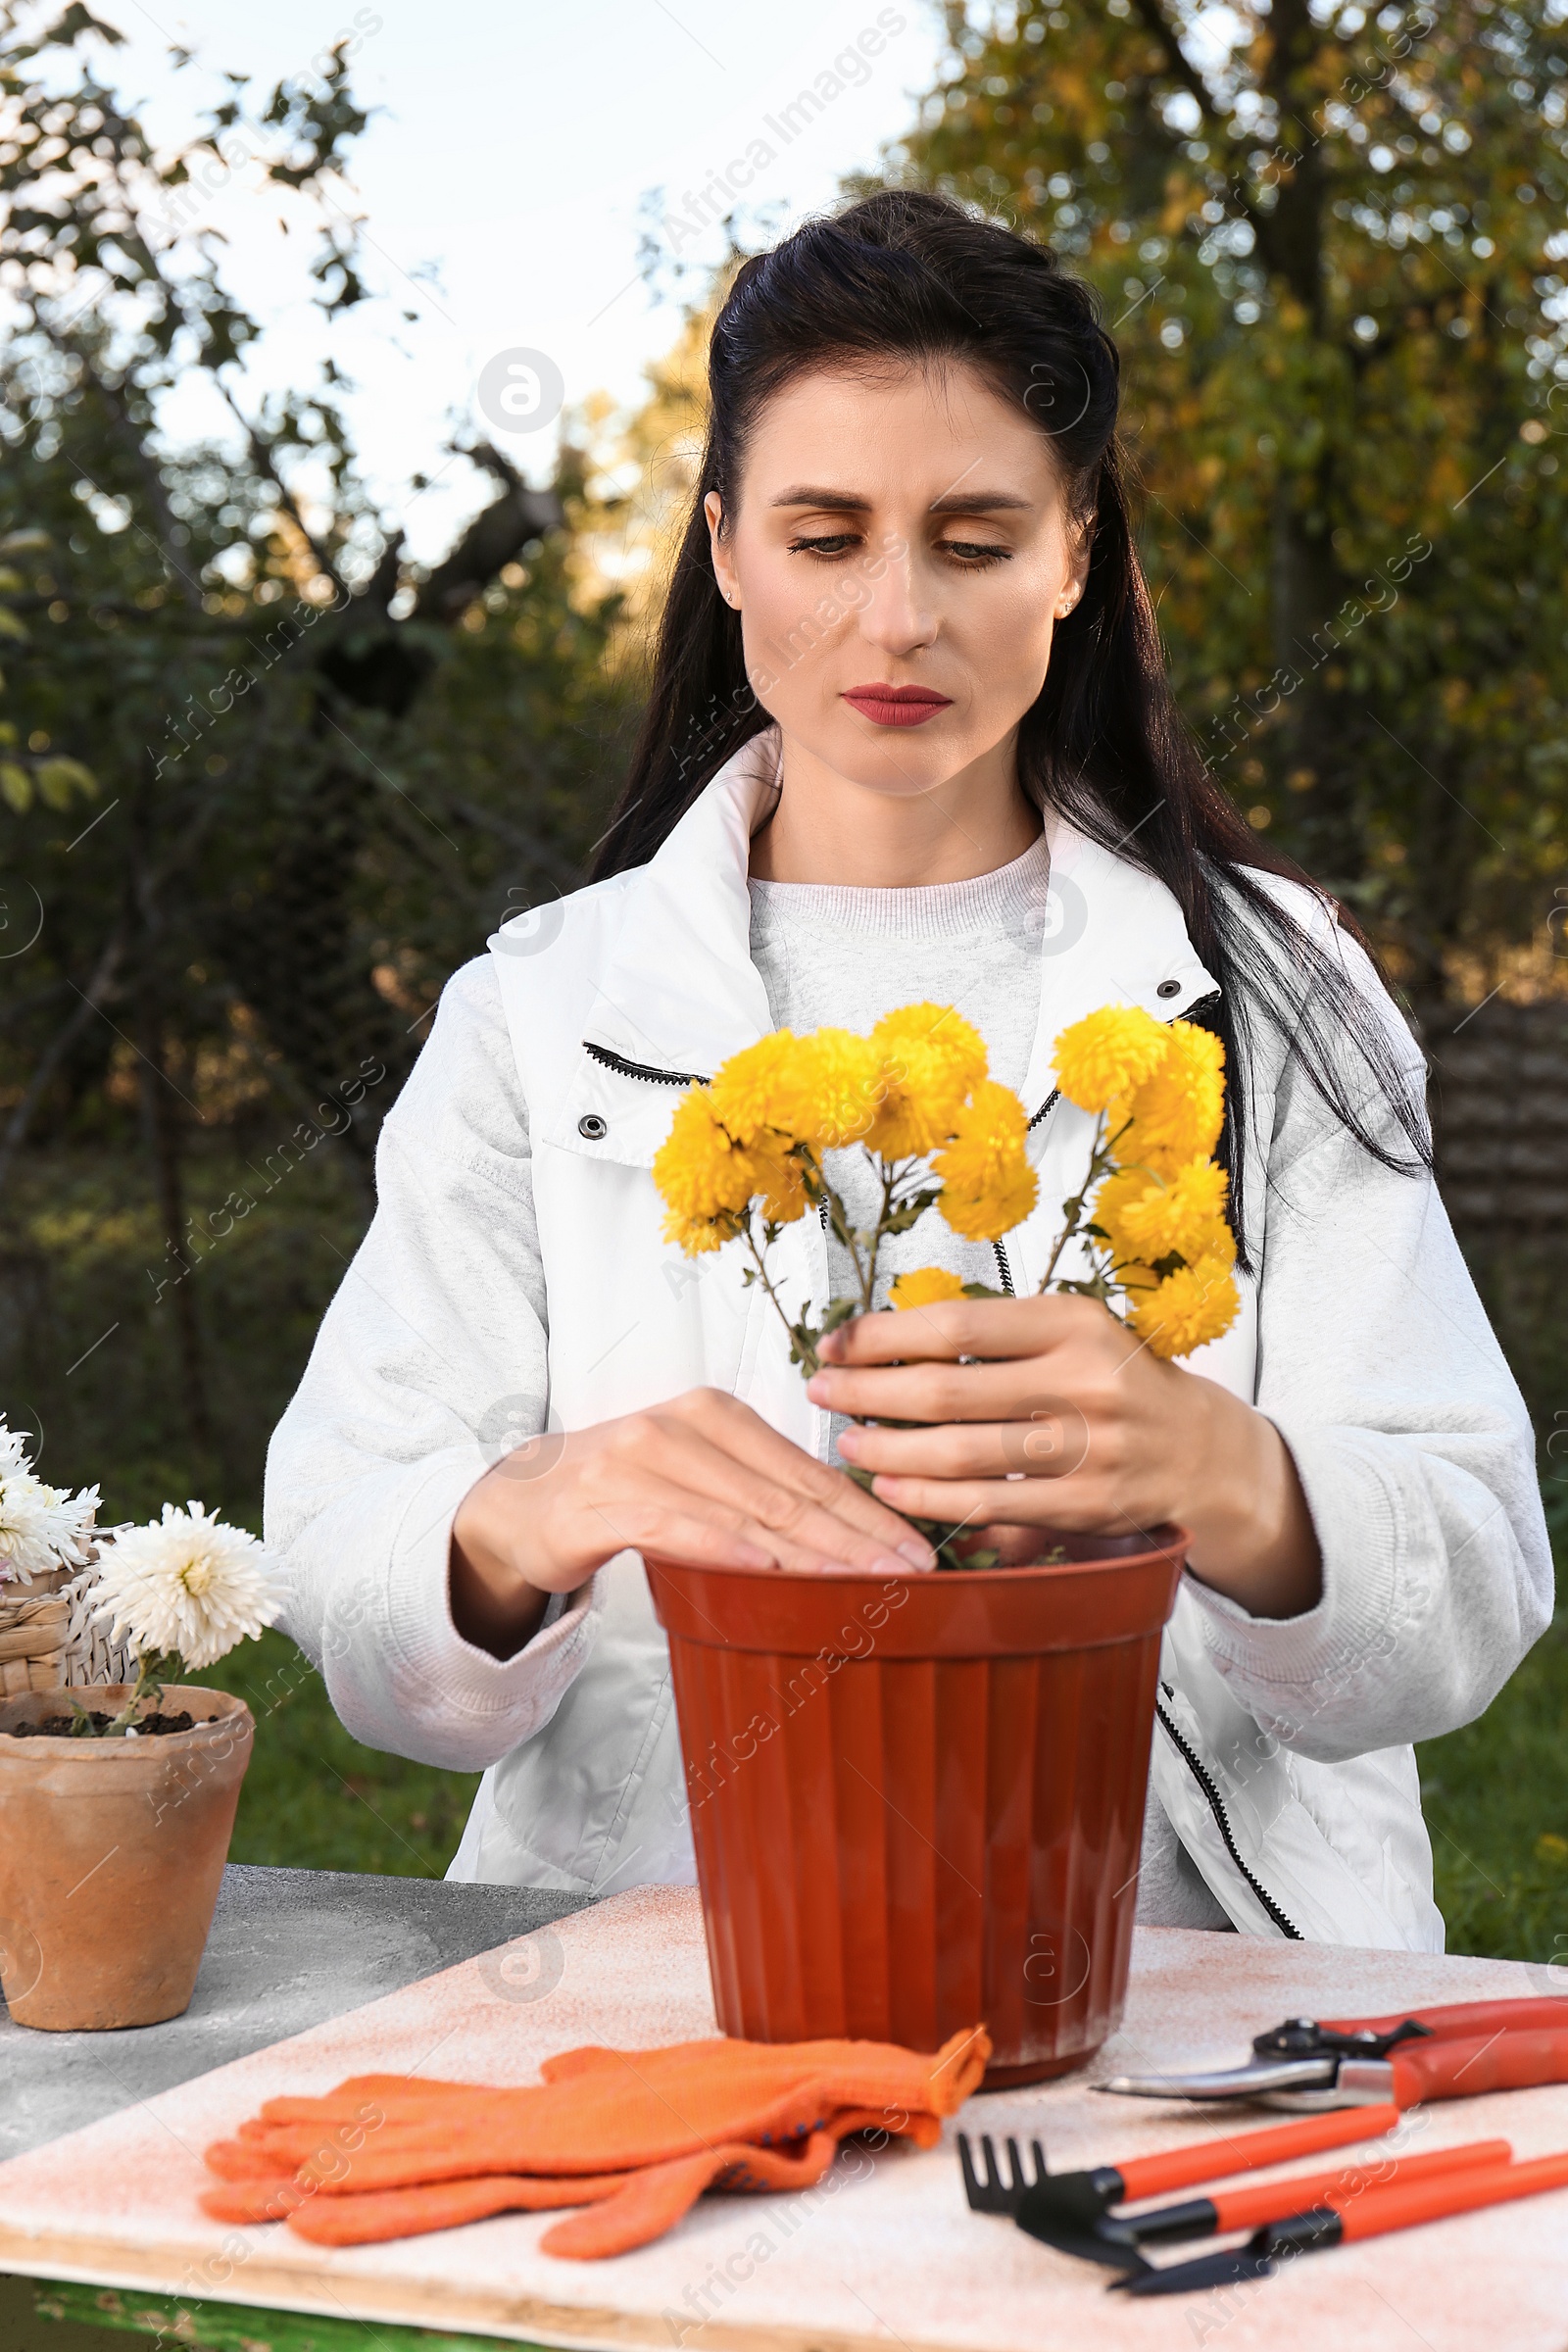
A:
(919, 1555)
(888, 1566)
(816, 1388)
(850, 1442)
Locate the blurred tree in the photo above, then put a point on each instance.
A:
(321, 772)
(1331, 249)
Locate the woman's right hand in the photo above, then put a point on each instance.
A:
(702, 1478)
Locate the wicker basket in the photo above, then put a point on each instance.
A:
(46, 1642)
(35, 1634)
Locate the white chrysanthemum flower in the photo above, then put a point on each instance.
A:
(187, 1583)
(41, 1527)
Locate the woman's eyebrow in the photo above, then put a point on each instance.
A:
(849, 502)
(977, 501)
(840, 501)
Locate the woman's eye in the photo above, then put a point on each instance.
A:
(836, 545)
(975, 554)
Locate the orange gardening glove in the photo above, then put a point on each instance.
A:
(626, 2209)
(306, 2159)
(599, 2112)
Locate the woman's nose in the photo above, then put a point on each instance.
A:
(900, 617)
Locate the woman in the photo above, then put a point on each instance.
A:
(910, 738)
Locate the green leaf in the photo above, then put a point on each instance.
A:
(16, 786)
(909, 1213)
(59, 778)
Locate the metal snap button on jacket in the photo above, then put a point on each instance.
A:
(1169, 988)
(592, 1127)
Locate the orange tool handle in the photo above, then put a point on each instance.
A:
(1402, 2208)
(1245, 2151)
(1463, 2070)
(1277, 2200)
(1466, 2021)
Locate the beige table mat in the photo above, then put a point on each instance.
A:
(885, 2253)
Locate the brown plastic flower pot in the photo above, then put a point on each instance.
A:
(110, 1855)
(917, 1804)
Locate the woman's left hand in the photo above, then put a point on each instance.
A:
(1048, 1413)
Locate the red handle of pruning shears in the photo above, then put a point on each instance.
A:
(1465, 2021)
(1463, 2070)
(1247, 2151)
(1276, 2200)
(1403, 2207)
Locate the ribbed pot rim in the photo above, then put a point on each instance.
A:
(856, 1615)
(1151, 1544)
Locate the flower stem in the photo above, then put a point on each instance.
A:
(807, 1353)
(1101, 1159)
(158, 1667)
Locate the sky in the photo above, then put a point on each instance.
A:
(517, 159)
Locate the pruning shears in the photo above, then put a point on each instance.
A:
(1402, 2060)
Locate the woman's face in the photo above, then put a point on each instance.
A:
(901, 556)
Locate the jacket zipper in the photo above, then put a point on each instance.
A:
(640, 1069)
(1205, 1780)
(1003, 1270)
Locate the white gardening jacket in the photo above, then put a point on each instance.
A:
(516, 1258)
(612, 998)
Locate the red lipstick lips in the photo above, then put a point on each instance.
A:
(897, 706)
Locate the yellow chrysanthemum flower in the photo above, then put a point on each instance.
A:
(841, 1090)
(1146, 1215)
(697, 1235)
(931, 1059)
(761, 1086)
(1193, 1305)
(926, 1287)
(1218, 1246)
(780, 1185)
(1178, 1112)
(1101, 1058)
(987, 1183)
(706, 1178)
(823, 1090)
(699, 1168)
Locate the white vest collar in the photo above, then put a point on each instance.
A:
(681, 991)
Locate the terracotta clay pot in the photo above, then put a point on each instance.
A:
(918, 1803)
(111, 1854)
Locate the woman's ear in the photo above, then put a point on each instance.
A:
(1080, 540)
(729, 587)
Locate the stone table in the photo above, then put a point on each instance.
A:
(289, 1948)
